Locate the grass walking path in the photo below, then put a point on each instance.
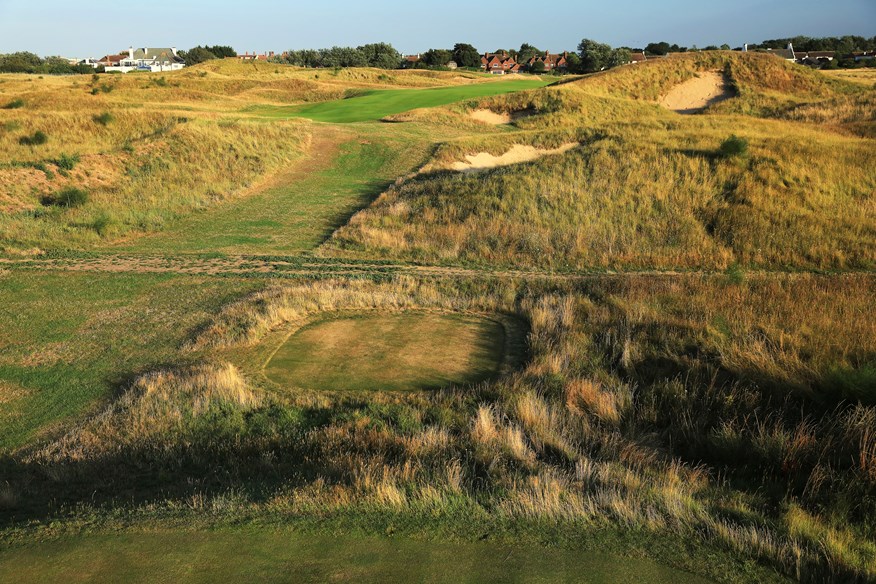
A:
(268, 556)
(341, 174)
(377, 104)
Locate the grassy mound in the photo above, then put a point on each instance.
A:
(749, 72)
(649, 189)
(690, 406)
(143, 157)
(158, 405)
(406, 351)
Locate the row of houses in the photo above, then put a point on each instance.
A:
(816, 58)
(503, 63)
(256, 56)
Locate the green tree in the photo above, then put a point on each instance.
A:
(221, 51)
(619, 56)
(527, 52)
(573, 63)
(661, 48)
(436, 57)
(303, 58)
(197, 55)
(595, 56)
(21, 62)
(342, 57)
(381, 55)
(537, 68)
(466, 55)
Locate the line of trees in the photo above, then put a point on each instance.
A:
(25, 62)
(843, 45)
(380, 55)
(596, 56)
(591, 55)
(200, 53)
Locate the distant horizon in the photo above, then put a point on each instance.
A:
(97, 28)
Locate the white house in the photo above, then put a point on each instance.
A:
(155, 60)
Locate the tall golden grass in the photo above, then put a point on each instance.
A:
(156, 406)
(648, 188)
(667, 404)
(150, 159)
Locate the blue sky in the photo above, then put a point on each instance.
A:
(83, 28)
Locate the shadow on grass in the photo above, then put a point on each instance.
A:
(367, 195)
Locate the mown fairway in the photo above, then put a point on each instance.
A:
(376, 104)
(69, 340)
(269, 556)
(389, 352)
(301, 207)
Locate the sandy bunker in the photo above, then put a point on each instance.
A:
(487, 116)
(490, 117)
(695, 95)
(517, 154)
(390, 351)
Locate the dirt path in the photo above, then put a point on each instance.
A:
(287, 267)
(695, 95)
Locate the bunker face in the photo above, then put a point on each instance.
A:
(407, 351)
(695, 95)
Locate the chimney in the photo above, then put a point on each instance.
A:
(130, 52)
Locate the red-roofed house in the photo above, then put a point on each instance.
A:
(112, 60)
(499, 63)
(255, 57)
(410, 61)
(551, 61)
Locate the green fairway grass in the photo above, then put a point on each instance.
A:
(390, 352)
(288, 557)
(69, 340)
(303, 209)
(374, 105)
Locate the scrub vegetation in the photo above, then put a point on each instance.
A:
(649, 189)
(662, 336)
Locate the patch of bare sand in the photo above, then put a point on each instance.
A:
(496, 119)
(695, 95)
(490, 117)
(517, 154)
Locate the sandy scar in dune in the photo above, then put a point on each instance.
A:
(517, 154)
(695, 95)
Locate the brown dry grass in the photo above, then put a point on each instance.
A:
(654, 192)
(647, 403)
(156, 405)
